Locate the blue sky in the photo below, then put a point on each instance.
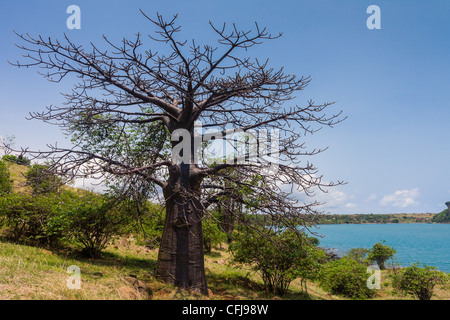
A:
(393, 84)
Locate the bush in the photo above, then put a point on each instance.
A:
(26, 218)
(86, 220)
(6, 183)
(280, 257)
(20, 160)
(90, 220)
(380, 253)
(418, 282)
(345, 277)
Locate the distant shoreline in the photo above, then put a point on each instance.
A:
(371, 218)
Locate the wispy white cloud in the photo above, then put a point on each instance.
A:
(371, 197)
(336, 199)
(401, 198)
(333, 199)
(337, 196)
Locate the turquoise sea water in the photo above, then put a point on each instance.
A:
(415, 242)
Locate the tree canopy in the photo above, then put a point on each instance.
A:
(132, 108)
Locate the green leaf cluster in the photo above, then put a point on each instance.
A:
(26, 217)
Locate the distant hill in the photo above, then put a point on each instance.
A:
(443, 217)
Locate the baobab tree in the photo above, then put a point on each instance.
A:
(131, 105)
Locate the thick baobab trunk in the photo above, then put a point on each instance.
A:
(181, 258)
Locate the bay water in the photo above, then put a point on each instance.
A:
(425, 243)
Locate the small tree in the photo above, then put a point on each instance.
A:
(380, 253)
(418, 281)
(279, 260)
(142, 218)
(310, 267)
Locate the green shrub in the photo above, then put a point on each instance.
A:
(91, 221)
(17, 159)
(380, 253)
(345, 277)
(418, 281)
(6, 183)
(86, 220)
(280, 257)
(26, 217)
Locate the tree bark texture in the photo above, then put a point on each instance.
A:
(181, 255)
